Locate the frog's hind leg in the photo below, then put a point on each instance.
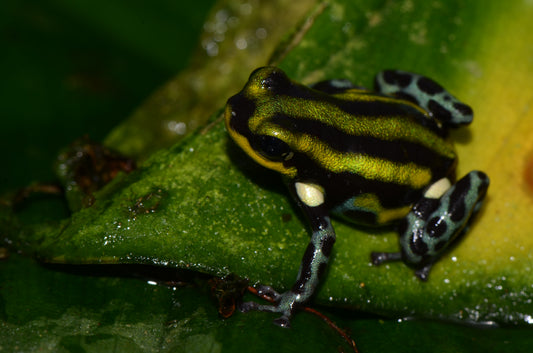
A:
(425, 93)
(436, 221)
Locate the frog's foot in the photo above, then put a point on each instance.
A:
(284, 303)
(423, 272)
(380, 257)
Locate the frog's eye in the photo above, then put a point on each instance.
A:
(276, 81)
(273, 148)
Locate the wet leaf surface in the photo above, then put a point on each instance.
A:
(203, 205)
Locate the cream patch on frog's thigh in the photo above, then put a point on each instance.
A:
(311, 195)
(438, 188)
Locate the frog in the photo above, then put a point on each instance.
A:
(380, 157)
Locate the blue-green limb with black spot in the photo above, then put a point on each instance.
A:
(434, 223)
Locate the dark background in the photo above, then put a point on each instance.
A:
(73, 67)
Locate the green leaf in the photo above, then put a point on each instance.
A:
(49, 310)
(203, 205)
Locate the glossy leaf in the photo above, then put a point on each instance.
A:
(206, 202)
(49, 310)
(216, 212)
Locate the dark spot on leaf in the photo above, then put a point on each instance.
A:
(286, 217)
(147, 203)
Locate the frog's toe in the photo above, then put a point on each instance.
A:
(380, 257)
(269, 292)
(423, 273)
(250, 306)
(283, 321)
(284, 305)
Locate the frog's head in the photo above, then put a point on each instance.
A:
(251, 118)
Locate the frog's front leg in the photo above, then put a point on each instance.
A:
(436, 221)
(314, 262)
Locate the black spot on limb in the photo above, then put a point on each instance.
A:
(460, 189)
(436, 227)
(299, 286)
(396, 78)
(306, 270)
(483, 186)
(440, 245)
(429, 86)
(418, 247)
(439, 111)
(308, 256)
(327, 246)
(457, 211)
(322, 268)
(463, 108)
(482, 176)
(482, 190)
(425, 206)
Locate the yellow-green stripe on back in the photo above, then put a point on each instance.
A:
(351, 142)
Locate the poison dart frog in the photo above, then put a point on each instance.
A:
(371, 157)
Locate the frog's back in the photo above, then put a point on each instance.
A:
(373, 154)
